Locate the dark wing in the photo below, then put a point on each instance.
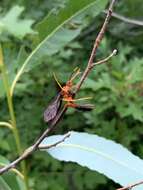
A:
(52, 110)
(85, 107)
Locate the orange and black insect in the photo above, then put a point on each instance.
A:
(66, 94)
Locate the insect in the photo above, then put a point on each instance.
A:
(66, 94)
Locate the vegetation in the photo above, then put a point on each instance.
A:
(38, 39)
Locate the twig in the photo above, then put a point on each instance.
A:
(131, 186)
(96, 44)
(106, 59)
(34, 147)
(54, 144)
(90, 65)
(126, 19)
(117, 16)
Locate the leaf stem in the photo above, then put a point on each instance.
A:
(12, 116)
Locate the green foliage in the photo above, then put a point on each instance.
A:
(11, 24)
(3, 184)
(12, 182)
(116, 88)
(119, 85)
(57, 35)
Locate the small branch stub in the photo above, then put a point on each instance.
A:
(56, 143)
(106, 59)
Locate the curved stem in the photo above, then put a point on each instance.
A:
(6, 124)
(12, 116)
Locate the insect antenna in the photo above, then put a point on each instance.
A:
(75, 73)
(55, 77)
(74, 100)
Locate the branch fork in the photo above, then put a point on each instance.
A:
(89, 67)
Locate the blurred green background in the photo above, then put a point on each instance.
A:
(116, 88)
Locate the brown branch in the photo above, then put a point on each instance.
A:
(89, 67)
(34, 147)
(131, 186)
(95, 46)
(54, 144)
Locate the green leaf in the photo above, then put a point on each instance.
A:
(73, 8)
(11, 180)
(100, 154)
(137, 71)
(103, 82)
(4, 185)
(131, 109)
(13, 25)
(3, 161)
(56, 34)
